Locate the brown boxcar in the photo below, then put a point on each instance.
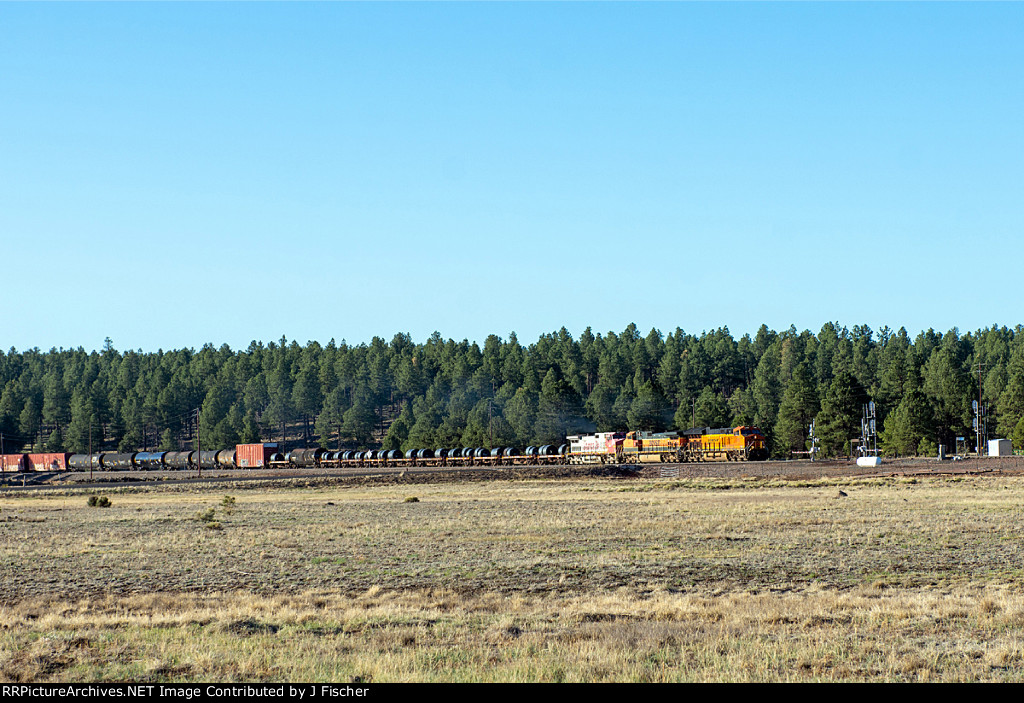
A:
(13, 462)
(254, 456)
(52, 461)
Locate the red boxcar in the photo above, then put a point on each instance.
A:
(52, 461)
(13, 462)
(254, 456)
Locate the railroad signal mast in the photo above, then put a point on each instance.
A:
(980, 425)
(868, 431)
(980, 416)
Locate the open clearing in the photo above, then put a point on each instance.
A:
(570, 579)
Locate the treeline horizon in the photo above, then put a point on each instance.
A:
(443, 393)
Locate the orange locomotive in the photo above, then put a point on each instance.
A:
(742, 443)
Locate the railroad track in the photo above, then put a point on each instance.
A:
(782, 470)
(107, 479)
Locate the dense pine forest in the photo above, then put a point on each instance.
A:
(443, 393)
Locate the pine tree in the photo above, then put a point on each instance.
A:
(907, 425)
(741, 407)
(711, 409)
(1011, 400)
(839, 419)
(767, 389)
(398, 432)
(559, 410)
(948, 389)
(168, 442)
(797, 410)
(599, 407)
(649, 410)
(1017, 436)
(360, 419)
(521, 413)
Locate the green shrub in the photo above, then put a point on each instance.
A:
(927, 447)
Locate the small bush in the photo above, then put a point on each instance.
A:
(205, 516)
(228, 504)
(99, 502)
(213, 525)
(412, 499)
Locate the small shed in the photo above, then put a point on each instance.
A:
(1000, 447)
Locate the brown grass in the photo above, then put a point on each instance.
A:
(599, 580)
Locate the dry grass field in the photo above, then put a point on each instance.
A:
(599, 579)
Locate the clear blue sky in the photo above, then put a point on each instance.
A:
(175, 174)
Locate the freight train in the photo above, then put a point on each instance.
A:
(742, 443)
(698, 444)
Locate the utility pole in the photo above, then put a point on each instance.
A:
(199, 446)
(979, 413)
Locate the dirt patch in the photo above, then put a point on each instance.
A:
(248, 628)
